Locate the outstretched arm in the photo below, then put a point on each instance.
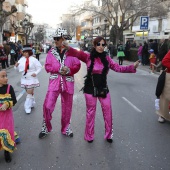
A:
(123, 69)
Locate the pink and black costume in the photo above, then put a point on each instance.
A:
(58, 84)
(98, 65)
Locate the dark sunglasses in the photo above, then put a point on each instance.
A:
(57, 38)
(103, 45)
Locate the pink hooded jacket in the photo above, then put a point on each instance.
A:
(53, 65)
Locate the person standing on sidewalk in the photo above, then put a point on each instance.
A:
(145, 54)
(37, 51)
(7, 52)
(95, 87)
(3, 56)
(120, 53)
(152, 59)
(140, 53)
(62, 68)
(163, 49)
(29, 66)
(7, 101)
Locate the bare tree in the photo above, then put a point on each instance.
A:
(40, 33)
(69, 24)
(122, 14)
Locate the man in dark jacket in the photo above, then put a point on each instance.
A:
(7, 52)
(163, 49)
(145, 54)
(111, 49)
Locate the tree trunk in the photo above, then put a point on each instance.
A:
(1, 33)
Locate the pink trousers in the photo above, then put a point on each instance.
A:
(91, 103)
(49, 106)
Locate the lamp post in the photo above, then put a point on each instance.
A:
(3, 17)
(27, 26)
(105, 20)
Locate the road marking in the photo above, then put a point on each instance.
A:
(131, 104)
(20, 95)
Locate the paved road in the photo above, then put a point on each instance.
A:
(140, 142)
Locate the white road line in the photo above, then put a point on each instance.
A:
(131, 104)
(20, 95)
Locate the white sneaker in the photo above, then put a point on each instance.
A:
(157, 104)
(27, 111)
(161, 119)
(33, 104)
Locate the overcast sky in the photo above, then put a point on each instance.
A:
(48, 11)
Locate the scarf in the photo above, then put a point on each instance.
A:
(26, 65)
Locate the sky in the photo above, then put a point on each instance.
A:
(49, 11)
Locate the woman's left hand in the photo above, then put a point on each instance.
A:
(136, 64)
(33, 75)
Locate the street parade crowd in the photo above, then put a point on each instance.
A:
(63, 62)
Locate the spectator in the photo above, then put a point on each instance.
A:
(7, 52)
(111, 49)
(152, 59)
(140, 53)
(127, 49)
(120, 53)
(145, 54)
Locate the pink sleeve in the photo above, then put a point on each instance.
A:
(121, 69)
(75, 66)
(81, 55)
(51, 64)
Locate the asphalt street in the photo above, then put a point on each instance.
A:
(140, 141)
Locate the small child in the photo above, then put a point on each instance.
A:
(152, 59)
(7, 100)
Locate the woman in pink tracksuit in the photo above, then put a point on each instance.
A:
(62, 68)
(98, 64)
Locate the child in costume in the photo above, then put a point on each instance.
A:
(152, 59)
(7, 100)
(29, 66)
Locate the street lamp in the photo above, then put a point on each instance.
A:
(27, 26)
(3, 16)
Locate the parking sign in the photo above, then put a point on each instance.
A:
(144, 22)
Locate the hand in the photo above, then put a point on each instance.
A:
(33, 75)
(65, 45)
(136, 64)
(64, 70)
(3, 107)
(16, 64)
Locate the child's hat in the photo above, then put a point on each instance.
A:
(151, 50)
(27, 48)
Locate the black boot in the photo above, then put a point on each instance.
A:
(7, 156)
(110, 140)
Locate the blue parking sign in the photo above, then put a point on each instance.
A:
(144, 23)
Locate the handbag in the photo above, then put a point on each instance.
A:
(99, 92)
(160, 84)
(3, 58)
